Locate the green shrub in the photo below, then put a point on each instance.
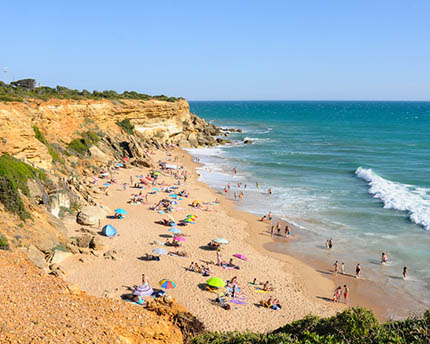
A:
(64, 211)
(51, 149)
(13, 177)
(79, 146)
(126, 125)
(4, 243)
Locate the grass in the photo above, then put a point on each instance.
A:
(14, 175)
(4, 243)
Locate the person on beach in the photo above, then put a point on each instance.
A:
(270, 216)
(124, 186)
(337, 294)
(346, 294)
(218, 258)
(405, 272)
(234, 170)
(226, 189)
(235, 195)
(257, 185)
(228, 186)
(263, 218)
(287, 231)
(271, 230)
(244, 186)
(241, 196)
(269, 191)
(266, 286)
(336, 267)
(329, 243)
(342, 269)
(384, 258)
(357, 271)
(278, 228)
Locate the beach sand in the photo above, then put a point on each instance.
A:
(301, 289)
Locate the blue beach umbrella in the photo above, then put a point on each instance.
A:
(156, 189)
(120, 211)
(120, 164)
(174, 230)
(106, 184)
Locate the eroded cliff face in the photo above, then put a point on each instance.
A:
(64, 120)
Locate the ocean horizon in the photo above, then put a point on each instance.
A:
(354, 171)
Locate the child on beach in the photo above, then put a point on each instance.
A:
(342, 269)
(337, 294)
(346, 294)
(336, 267)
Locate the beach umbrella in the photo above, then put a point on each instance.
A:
(120, 211)
(156, 173)
(125, 158)
(156, 189)
(220, 241)
(174, 202)
(192, 215)
(106, 184)
(178, 238)
(174, 230)
(120, 164)
(159, 250)
(167, 284)
(240, 256)
(216, 282)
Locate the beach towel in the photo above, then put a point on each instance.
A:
(259, 290)
(237, 302)
(161, 212)
(230, 289)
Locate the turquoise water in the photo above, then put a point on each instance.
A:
(354, 171)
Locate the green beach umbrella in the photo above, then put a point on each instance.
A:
(216, 282)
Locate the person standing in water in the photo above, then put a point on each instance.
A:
(357, 271)
(384, 258)
(257, 185)
(269, 191)
(329, 243)
(346, 294)
(336, 267)
(269, 216)
(271, 230)
(405, 272)
(342, 269)
(235, 195)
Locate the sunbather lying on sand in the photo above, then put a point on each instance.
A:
(271, 303)
(178, 253)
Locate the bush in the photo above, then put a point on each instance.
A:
(352, 326)
(21, 89)
(82, 145)
(126, 125)
(4, 244)
(13, 177)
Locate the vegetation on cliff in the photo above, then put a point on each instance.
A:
(126, 125)
(52, 151)
(14, 175)
(83, 144)
(19, 90)
(352, 326)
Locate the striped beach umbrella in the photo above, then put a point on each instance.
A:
(167, 284)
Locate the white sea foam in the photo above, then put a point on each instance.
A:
(409, 198)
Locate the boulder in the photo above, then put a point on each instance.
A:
(97, 243)
(57, 224)
(60, 256)
(184, 144)
(247, 142)
(84, 241)
(192, 139)
(90, 215)
(98, 155)
(37, 257)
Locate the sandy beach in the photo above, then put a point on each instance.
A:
(300, 288)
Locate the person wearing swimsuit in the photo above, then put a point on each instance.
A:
(357, 271)
(346, 294)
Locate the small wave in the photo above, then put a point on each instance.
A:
(404, 197)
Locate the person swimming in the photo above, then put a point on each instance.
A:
(384, 258)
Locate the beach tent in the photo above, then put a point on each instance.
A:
(109, 231)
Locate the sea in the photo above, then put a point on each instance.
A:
(357, 172)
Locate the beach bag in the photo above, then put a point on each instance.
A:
(227, 307)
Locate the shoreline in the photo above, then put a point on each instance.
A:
(301, 289)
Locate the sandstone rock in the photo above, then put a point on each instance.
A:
(90, 215)
(60, 256)
(84, 241)
(57, 224)
(111, 254)
(72, 248)
(74, 289)
(192, 138)
(184, 144)
(98, 155)
(97, 243)
(37, 257)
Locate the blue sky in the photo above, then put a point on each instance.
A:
(256, 50)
